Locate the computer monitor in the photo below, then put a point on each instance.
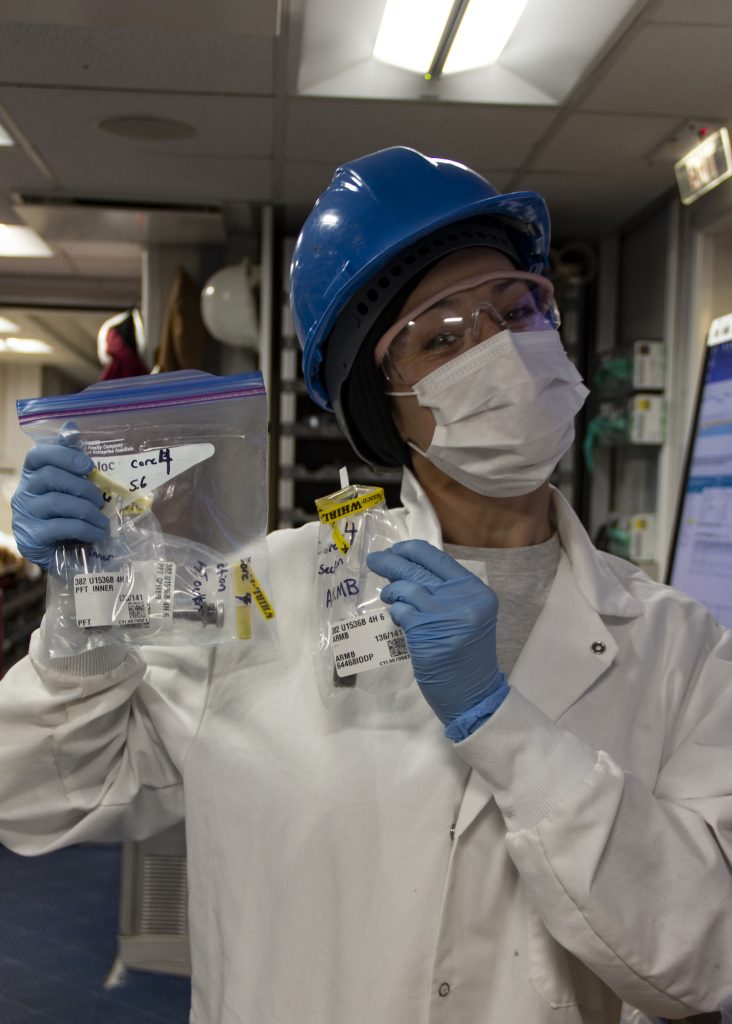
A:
(700, 561)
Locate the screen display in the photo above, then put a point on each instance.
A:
(702, 556)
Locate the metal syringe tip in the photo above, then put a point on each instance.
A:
(208, 613)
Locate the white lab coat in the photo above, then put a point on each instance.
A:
(352, 866)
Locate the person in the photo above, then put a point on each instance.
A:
(549, 832)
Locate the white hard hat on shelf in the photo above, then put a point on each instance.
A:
(228, 305)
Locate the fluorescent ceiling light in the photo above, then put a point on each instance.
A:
(16, 240)
(26, 346)
(7, 326)
(486, 27)
(5, 139)
(410, 32)
(444, 35)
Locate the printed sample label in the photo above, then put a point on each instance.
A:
(131, 477)
(330, 511)
(129, 598)
(366, 642)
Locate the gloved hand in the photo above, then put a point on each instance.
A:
(449, 617)
(55, 502)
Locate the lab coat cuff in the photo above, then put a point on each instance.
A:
(100, 661)
(530, 761)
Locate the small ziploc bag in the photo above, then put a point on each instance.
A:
(356, 643)
(180, 459)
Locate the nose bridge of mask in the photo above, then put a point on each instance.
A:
(509, 358)
(473, 368)
(506, 370)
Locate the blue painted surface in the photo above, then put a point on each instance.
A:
(58, 941)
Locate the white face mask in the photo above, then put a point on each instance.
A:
(504, 412)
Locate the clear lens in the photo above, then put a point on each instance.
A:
(463, 318)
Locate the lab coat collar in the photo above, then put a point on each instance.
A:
(600, 587)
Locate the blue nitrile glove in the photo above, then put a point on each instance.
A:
(449, 617)
(54, 502)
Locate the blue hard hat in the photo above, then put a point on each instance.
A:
(375, 209)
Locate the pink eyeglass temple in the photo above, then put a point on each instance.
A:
(469, 282)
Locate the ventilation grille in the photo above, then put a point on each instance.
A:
(164, 908)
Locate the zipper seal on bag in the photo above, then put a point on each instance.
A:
(148, 394)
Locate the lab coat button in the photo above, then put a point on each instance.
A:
(444, 989)
(452, 830)
(599, 647)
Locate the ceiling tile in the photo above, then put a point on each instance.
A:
(337, 130)
(604, 144)
(135, 58)
(679, 70)
(16, 171)
(255, 17)
(693, 12)
(227, 126)
(162, 177)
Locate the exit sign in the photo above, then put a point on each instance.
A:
(704, 167)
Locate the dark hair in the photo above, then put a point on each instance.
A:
(365, 406)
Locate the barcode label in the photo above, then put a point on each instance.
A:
(129, 598)
(398, 648)
(367, 642)
(136, 611)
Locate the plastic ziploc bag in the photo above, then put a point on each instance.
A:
(356, 643)
(181, 462)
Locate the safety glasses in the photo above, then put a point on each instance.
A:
(466, 313)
